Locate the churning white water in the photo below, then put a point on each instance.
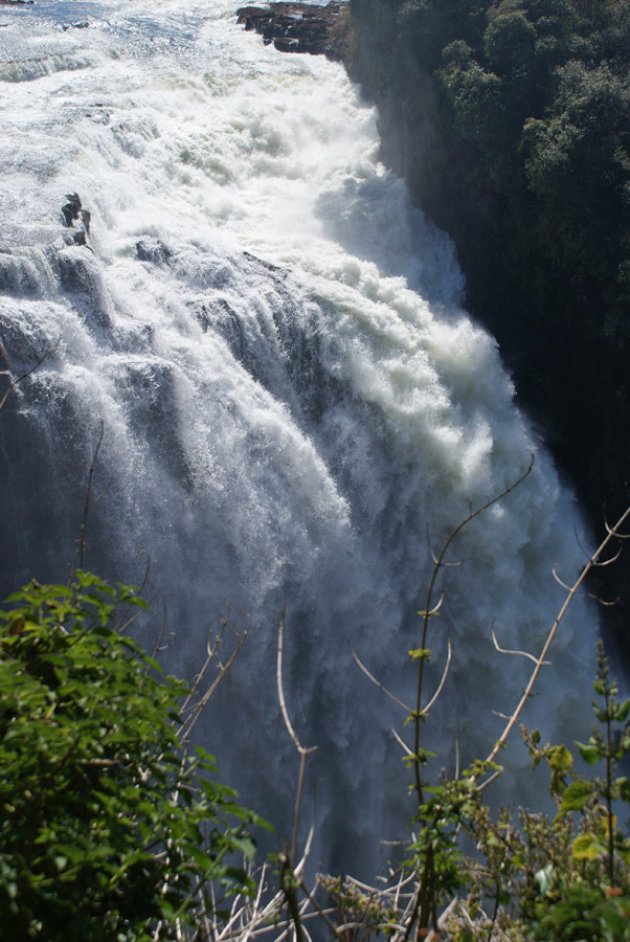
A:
(294, 407)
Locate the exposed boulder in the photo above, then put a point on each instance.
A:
(296, 27)
(152, 250)
(72, 210)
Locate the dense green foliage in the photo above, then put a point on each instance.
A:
(108, 831)
(511, 121)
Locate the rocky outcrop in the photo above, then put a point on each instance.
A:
(153, 250)
(295, 27)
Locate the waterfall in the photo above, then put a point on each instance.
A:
(292, 407)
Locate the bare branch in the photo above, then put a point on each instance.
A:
(439, 563)
(199, 707)
(401, 742)
(612, 533)
(526, 654)
(302, 752)
(88, 495)
(16, 382)
(436, 560)
(378, 684)
(320, 911)
(603, 602)
(562, 584)
(613, 559)
(442, 682)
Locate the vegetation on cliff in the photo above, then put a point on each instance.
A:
(511, 122)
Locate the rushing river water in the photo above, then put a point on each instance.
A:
(294, 408)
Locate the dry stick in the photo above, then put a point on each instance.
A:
(429, 609)
(251, 919)
(197, 710)
(377, 683)
(440, 687)
(289, 882)
(88, 495)
(301, 750)
(424, 907)
(526, 654)
(612, 533)
(16, 382)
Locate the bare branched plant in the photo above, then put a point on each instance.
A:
(408, 902)
(88, 496)
(14, 382)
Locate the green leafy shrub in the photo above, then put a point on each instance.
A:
(108, 830)
(567, 878)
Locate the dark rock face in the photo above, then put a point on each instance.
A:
(152, 250)
(295, 27)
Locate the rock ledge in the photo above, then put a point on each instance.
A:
(295, 27)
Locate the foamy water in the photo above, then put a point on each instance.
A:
(295, 409)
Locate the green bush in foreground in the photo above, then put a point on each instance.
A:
(567, 877)
(108, 830)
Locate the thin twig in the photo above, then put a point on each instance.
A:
(611, 533)
(531, 657)
(429, 607)
(442, 682)
(202, 703)
(378, 684)
(16, 382)
(88, 495)
(301, 750)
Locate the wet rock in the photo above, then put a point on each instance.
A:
(268, 266)
(71, 209)
(152, 250)
(78, 271)
(295, 27)
(80, 275)
(18, 275)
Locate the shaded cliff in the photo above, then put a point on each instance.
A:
(511, 124)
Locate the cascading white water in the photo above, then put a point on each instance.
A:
(294, 406)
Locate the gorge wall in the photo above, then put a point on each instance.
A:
(511, 125)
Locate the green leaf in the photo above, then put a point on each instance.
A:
(560, 759)
(417, 654)
(587, 847)
(92, 777)
(621, 712)
(576, 795)
(591, 753)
